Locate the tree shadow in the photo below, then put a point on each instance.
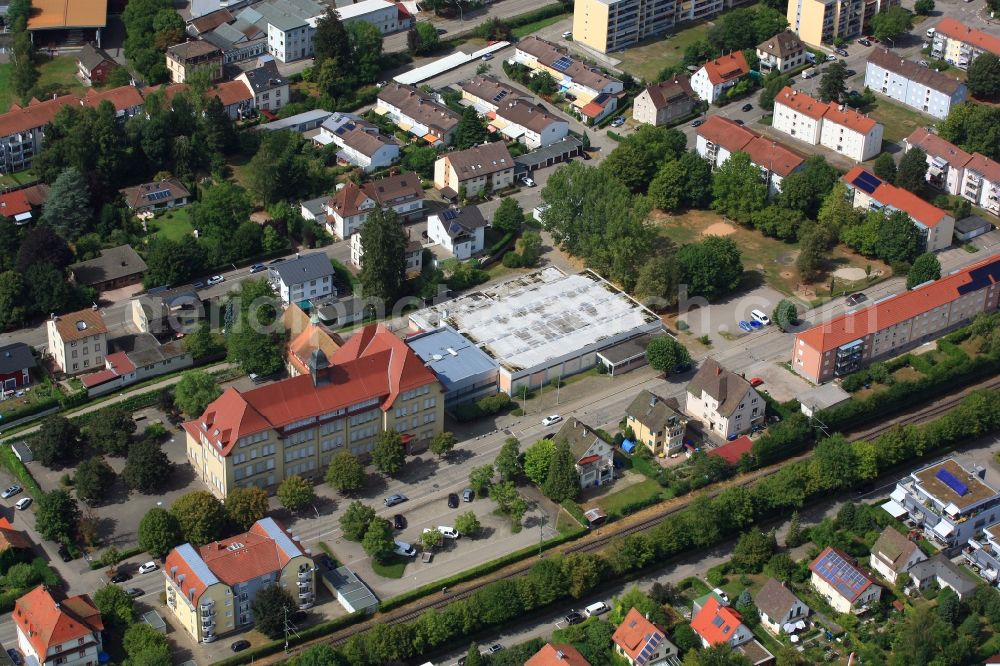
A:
(182, 477)
(459, 456)
(418, 469)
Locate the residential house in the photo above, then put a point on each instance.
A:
(309, 276)
(77, 341)
(869, 192)
(484, 168)
(781, 53)
(348, 209)
(833, 126)
(380, 13)
(306, 335)
(918, 87)
(820, 22)
(778, 607)
(664, 103)
(294, 426)
(465, 371)
(15, 546)
(412, 254)
(946, 574)
(587, 84)
(17, 365)
(240, 36)
(291, 25)
(210, 589)
(185, 59)
(16, 207)
(361, 143)
(486, 93)
(641, 643)
(852, 340)
(116, 267)
(416, 112)
(839, 580)
(611, 25)
(93, 65)
(718, 138)
(958, 44)
(599, 108)
(559, 654)
(21, 132)
(945, 161)
(983, 551)
(146, 359)
(126, 100)
(156, 196)
(950, 503)
(269, 88)
(237, 99)
(594, 457)
(981, 183)
(722, 401)
(521, 119)
(893, 554)
(716, 76)
(657, 423)
(460, 231)
(53, 629)
(717, 623)
(166, 311)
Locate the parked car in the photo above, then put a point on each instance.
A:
(64, 553)
(851, 72)
(198, 284)
(239, 646)
(756, 381)
(830, 57)
(526, 180)
(399, 522)
(722, 595)
(596, 608)
(698, 123)
(10, 492)
(453, 500)
(442, 31)
(134, 592)
(739, 121)
(496, 647)
(148, 567)
(15, 656)
(551, 420)
(468, 495)
(618, 122)
(745, 326)
(573, 617)
(23, 503)
(841, 52)
(275, 261)
(257, 268)
(404, 549)
(864, 42)
(216, 279)
(487, 56)
(446, 531)
(923, 63)
(747, 107)
(121, 577)
(393, 500)
(856, 298)
(757, 315)
(567, 34)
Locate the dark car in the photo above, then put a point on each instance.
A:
(864, 42)
(585, 155)
(121, 577)
(239, 646)
(854, 299)
(842, 52)
(551, 435)
(747, 107)
(698, 123)
(399, 522)
(851, 72)
(442, 31)
(64, 553)
(257, 268)
(134, 592)
(275, 261)
(453, 500)
(15, 656)
(573, 617)
(739, 121)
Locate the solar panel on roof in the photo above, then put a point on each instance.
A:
(156, 196)
(981, 277)
(866, 181)
(562, 64)
(948, 479)
(500, 95)
(448, 215)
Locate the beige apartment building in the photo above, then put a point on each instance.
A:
(612, 25)
(185, 59)
(657, 423)
(77, 341)
(374, 382)
(819, 22)
(488, 167)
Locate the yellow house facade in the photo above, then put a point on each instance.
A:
(657, 423)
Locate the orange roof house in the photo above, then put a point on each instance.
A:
(51, 627)
(640, 641)
(12, 538)
(716, 623)
(894, 197)
(727, 68)
(557, 655)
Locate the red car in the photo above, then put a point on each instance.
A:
(756, 381)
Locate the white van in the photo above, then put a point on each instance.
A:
(931, 32)
(596, 609)
(809, 73)
(760, 317)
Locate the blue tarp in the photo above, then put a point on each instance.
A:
(628, 446)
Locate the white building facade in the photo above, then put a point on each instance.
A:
(920, 88)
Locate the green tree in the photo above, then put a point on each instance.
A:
(245, 506)
(891, 24)
(638, 159)
(296, 493)
(542, 83)
(481, 478)
(973, 128)
(665, 354)
(777, 222)
(145, 646)
(112, 432)
(529, 245)
(67, 208)
(562, 482)
(785, 315)
(984, 76)
(668, 189)
(536, 461)
(926, 267)
(147, 467)
(422, 38)
(222, 208)
(658, 281)
(698, 192)
(24, 74)
(471, 129)
(93, 480)
(737, 188)
(711, 268)
(12, 307)
(885, 167)
(833, 83)
(378, 542)
(794, 535)
(721, 654)
(41, 245)
(911, 174)
(278, 170)
(202, 342)
(419, 159)
(389, 454)
(58, 516)
(752, 551)
(345, 473)
(773, 84)
(170, 262)
(201, 517)
(443, 443)
(117, 608)
(366, 50)
(159, 531)
(431, 539)
(509, 217)
(467, 524)
(383, 266)
(58, 442)
(355, 520)
(508, 460)
(271, 607)
(473, 657)
(195, 391)
(319, 655)
(331, 41)
(923, 7)
(803, 190)
(47, 288)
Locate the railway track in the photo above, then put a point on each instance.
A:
(601, 538)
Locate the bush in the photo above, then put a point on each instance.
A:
(716, 576)
(487, 406)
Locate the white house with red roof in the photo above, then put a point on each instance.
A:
(374, 382)
(717, 623)
(981, 183)
(832, 125)
(870, 192)
(54, 629)
(945, 161)
(846, 587)
(642, 643)
(210, 590)
(718, 138)
(717, 75)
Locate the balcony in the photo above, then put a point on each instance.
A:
(207, 625)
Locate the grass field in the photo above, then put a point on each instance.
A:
(6, 90)
(616, 502)
(535, 26)
(18, 179)
(51, 71)
(174, 224)
(647, 60)
(899, 121)
(392, 568)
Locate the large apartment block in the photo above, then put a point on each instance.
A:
(612, 25)
(719, 137)
(210, 590)
(889, 327)
(920, 88)
(819, 22)
(374, 382)
(834, 126)
(949, 168)
(958, 44)
(950, 503)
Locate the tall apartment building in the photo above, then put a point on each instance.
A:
(981, 183)
(718, 138)
(959, 45)
(819, 22)
(834, 126)
(185, 59)
(77, 341)
(920, 88)
(612, 25)
(374, 382)
(891, 326)
(210, 590)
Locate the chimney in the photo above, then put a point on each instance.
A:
(718, 370)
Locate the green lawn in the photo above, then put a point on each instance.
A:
(51, 71)
(6, 90)
(173, 224)
(535, 26)
(647, 60)
(17, 179)
(392, 568)
(615, 503)
(899, 121)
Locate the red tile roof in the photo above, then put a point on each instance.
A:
(849, 118)
(635, 632)
(985, 167)
(557, 655)
(123, 97)
(849, 327)
(801, 102)
(116, 365)
(34, 115)
(716, 623)
(731, 451)
(348, 200)
(953, 29)
(763, 151)
(231, 92)
(726, 133)
(726, 68)
(919, 210)
(935, 146)
(225, 420)
(49, 620)
(14, 203)
(12, 538)
(253, 554)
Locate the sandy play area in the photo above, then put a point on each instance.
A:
(851, 273)
(719, 229)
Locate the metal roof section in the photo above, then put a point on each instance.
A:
(197, 565)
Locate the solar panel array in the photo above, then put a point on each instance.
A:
(159, 194)
(500, 95)
(866, 181)
(840, 573)
(562, 64)
(448, 215)
(948, 479)
(455, 228)
(981, 277)
(652, 641)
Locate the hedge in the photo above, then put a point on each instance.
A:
(573, 509)
(487, 406)
(548, 11)
(125, 554)
(17, 468)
